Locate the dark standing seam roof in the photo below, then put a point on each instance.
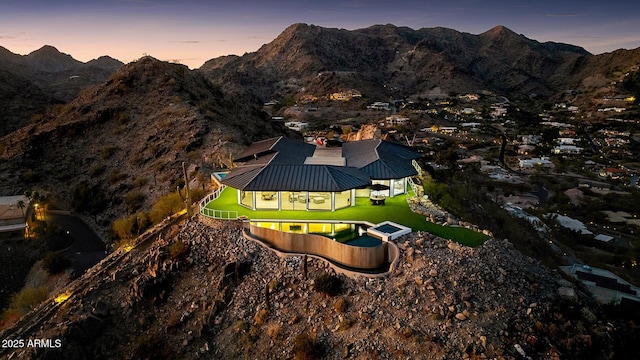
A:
(277, 164)
(380, 159)
(298, 177)
(280, 150)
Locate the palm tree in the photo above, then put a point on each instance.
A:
(20, 205)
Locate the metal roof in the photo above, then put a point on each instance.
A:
(297, 177)
(280, 150)
(380, 159)
(278, 164)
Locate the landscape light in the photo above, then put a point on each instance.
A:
(62, 297)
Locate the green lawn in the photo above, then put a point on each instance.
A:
(395, 209)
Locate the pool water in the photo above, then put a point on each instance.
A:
(386, 228)
(364, 241)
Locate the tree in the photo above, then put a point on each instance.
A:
(20, 205)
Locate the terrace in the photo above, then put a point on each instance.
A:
(395, 210)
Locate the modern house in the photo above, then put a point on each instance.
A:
(286, 174)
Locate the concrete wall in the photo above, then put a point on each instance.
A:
(352, 256)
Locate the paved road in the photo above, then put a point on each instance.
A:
(87, 249)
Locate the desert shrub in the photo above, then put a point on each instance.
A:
(55, 263)
(345, 322)
(178, 249)
(29, 176)
(166, 206)
(341, 305)
(328, 284)
(95, 170)
(134, 200)
(108, 152)
(130, 226)
(274, 330)
(27, 299)
(116, 175)
(140, 182)
(306, 347)
(261, 317)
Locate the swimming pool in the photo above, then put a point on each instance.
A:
(364, 241)
(387, 228)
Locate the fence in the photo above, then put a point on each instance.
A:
(213, 213)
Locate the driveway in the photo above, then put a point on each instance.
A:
(87, 248)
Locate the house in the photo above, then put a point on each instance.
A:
(605, 286)
(296, 125)
(567, 149)
(397, 120)
(531, 163)
(286, 174)
(613, 173)
(12, 217)
(526, 149)
(379, 106)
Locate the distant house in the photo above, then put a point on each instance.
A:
(397, 120)
(567, 150)
(603, 284)
(613, 173)
(526, 149)
(531, 163)
(448, 130)
(379, 106)
(296, 125)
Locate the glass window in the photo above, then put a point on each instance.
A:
(319, 201)
(246, 198)
(343, 199)
(267, 200)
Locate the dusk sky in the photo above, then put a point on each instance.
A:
(193, 32)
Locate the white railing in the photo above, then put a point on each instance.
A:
(213, 213)
(209, 198)
(417, 188)
(220, 214)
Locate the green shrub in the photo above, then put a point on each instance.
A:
(328, 284)
(55, 263)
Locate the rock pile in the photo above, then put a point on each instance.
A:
(227, 297)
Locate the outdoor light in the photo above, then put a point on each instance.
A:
(62, 297)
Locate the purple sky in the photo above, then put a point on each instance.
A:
(192, 31)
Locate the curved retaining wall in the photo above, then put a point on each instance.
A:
(347, 255)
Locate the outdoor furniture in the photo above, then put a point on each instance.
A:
(318, 200)
(377, 199)
(302, 198)
(268, 195)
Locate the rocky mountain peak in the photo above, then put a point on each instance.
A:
(49, 59)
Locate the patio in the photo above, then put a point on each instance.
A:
(395, 209)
